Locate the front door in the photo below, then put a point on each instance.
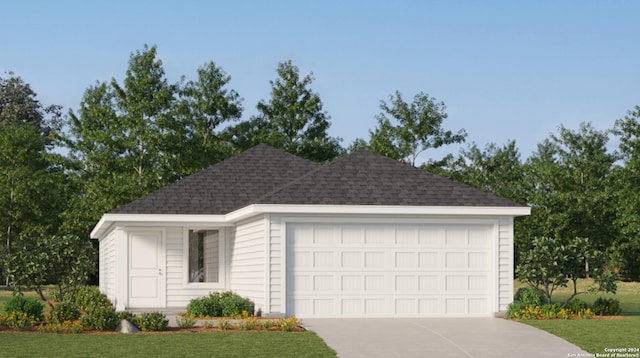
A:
(147, 282)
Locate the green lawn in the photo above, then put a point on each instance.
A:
(595, 335)
(200, 344)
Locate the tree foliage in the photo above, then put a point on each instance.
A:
(131, 138)
(66, 261)
(417, 128)
(31, 188)
(293, 119)
(550, 264)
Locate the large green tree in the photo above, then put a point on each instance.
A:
(626, 187)
(405, 130)
(566, 185)
(293, 119)
(31, 187)
(130, 138)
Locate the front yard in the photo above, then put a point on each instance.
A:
(595, 335)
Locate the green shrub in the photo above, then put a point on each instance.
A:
(88, 297)
(577, 305)
(530, 296)
(205, 306)
(100, 318)
(64, 311)
(233, 304)
(153, 321)
(129, 316)
(32, 307)
(606, 307)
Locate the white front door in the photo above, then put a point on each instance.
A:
(147, 283)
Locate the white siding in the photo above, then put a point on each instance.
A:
(275, 270)
(505, 263)
(107, 265)
(247, 261)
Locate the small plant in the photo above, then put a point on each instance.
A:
(185, 320)
(248, 323)
(577, 305)
(153, 321)
(129, 316)
(208, 324)
(30, 306)
(606, 307)
(100, 318)
(268, 323)
(63, 312)
(530, 296)
(289, 324)
(224, 324)
(19, 321)
(585, 313)
(64, 327)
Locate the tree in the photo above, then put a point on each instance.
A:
(130, 138)
(30, 186)
(625, 184)
(66, 261)
(418, 128)
(292, 120)
(550, 264)
(204, 106)
(498, 170)
(567, 181)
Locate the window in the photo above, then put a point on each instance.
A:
(205, 248)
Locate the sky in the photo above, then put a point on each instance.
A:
(506, 70)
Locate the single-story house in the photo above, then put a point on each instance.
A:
(362, 236)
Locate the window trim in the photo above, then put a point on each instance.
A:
(222, 273)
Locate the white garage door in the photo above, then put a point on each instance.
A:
(389, 270)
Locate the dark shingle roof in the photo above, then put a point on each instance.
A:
(265, 175)
(366, 178)
(226, 186)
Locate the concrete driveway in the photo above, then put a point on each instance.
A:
(438, 337)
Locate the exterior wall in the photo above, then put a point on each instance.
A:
(246, 260)
(276, 265)
(505, 263)
(107, 265)
(178, 292)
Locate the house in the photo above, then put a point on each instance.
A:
(362, 236)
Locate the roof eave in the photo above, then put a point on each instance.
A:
(246, 212)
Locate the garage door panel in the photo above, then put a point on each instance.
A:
(386, 271)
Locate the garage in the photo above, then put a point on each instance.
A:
(390, 270)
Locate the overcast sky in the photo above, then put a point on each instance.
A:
(505, 69)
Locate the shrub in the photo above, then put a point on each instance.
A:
(88, 297)
(530, 296)
(606, 307)
(577, 305)
(233, 304)
(153, 321)
(100, 318)
(185, 321)
(19, 321)
(129, 316)
(32, 307)
(64, 311)
(515, 308)
(205, 306)
(248, 323)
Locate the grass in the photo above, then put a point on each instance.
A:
(595, 335)
(194, 344)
